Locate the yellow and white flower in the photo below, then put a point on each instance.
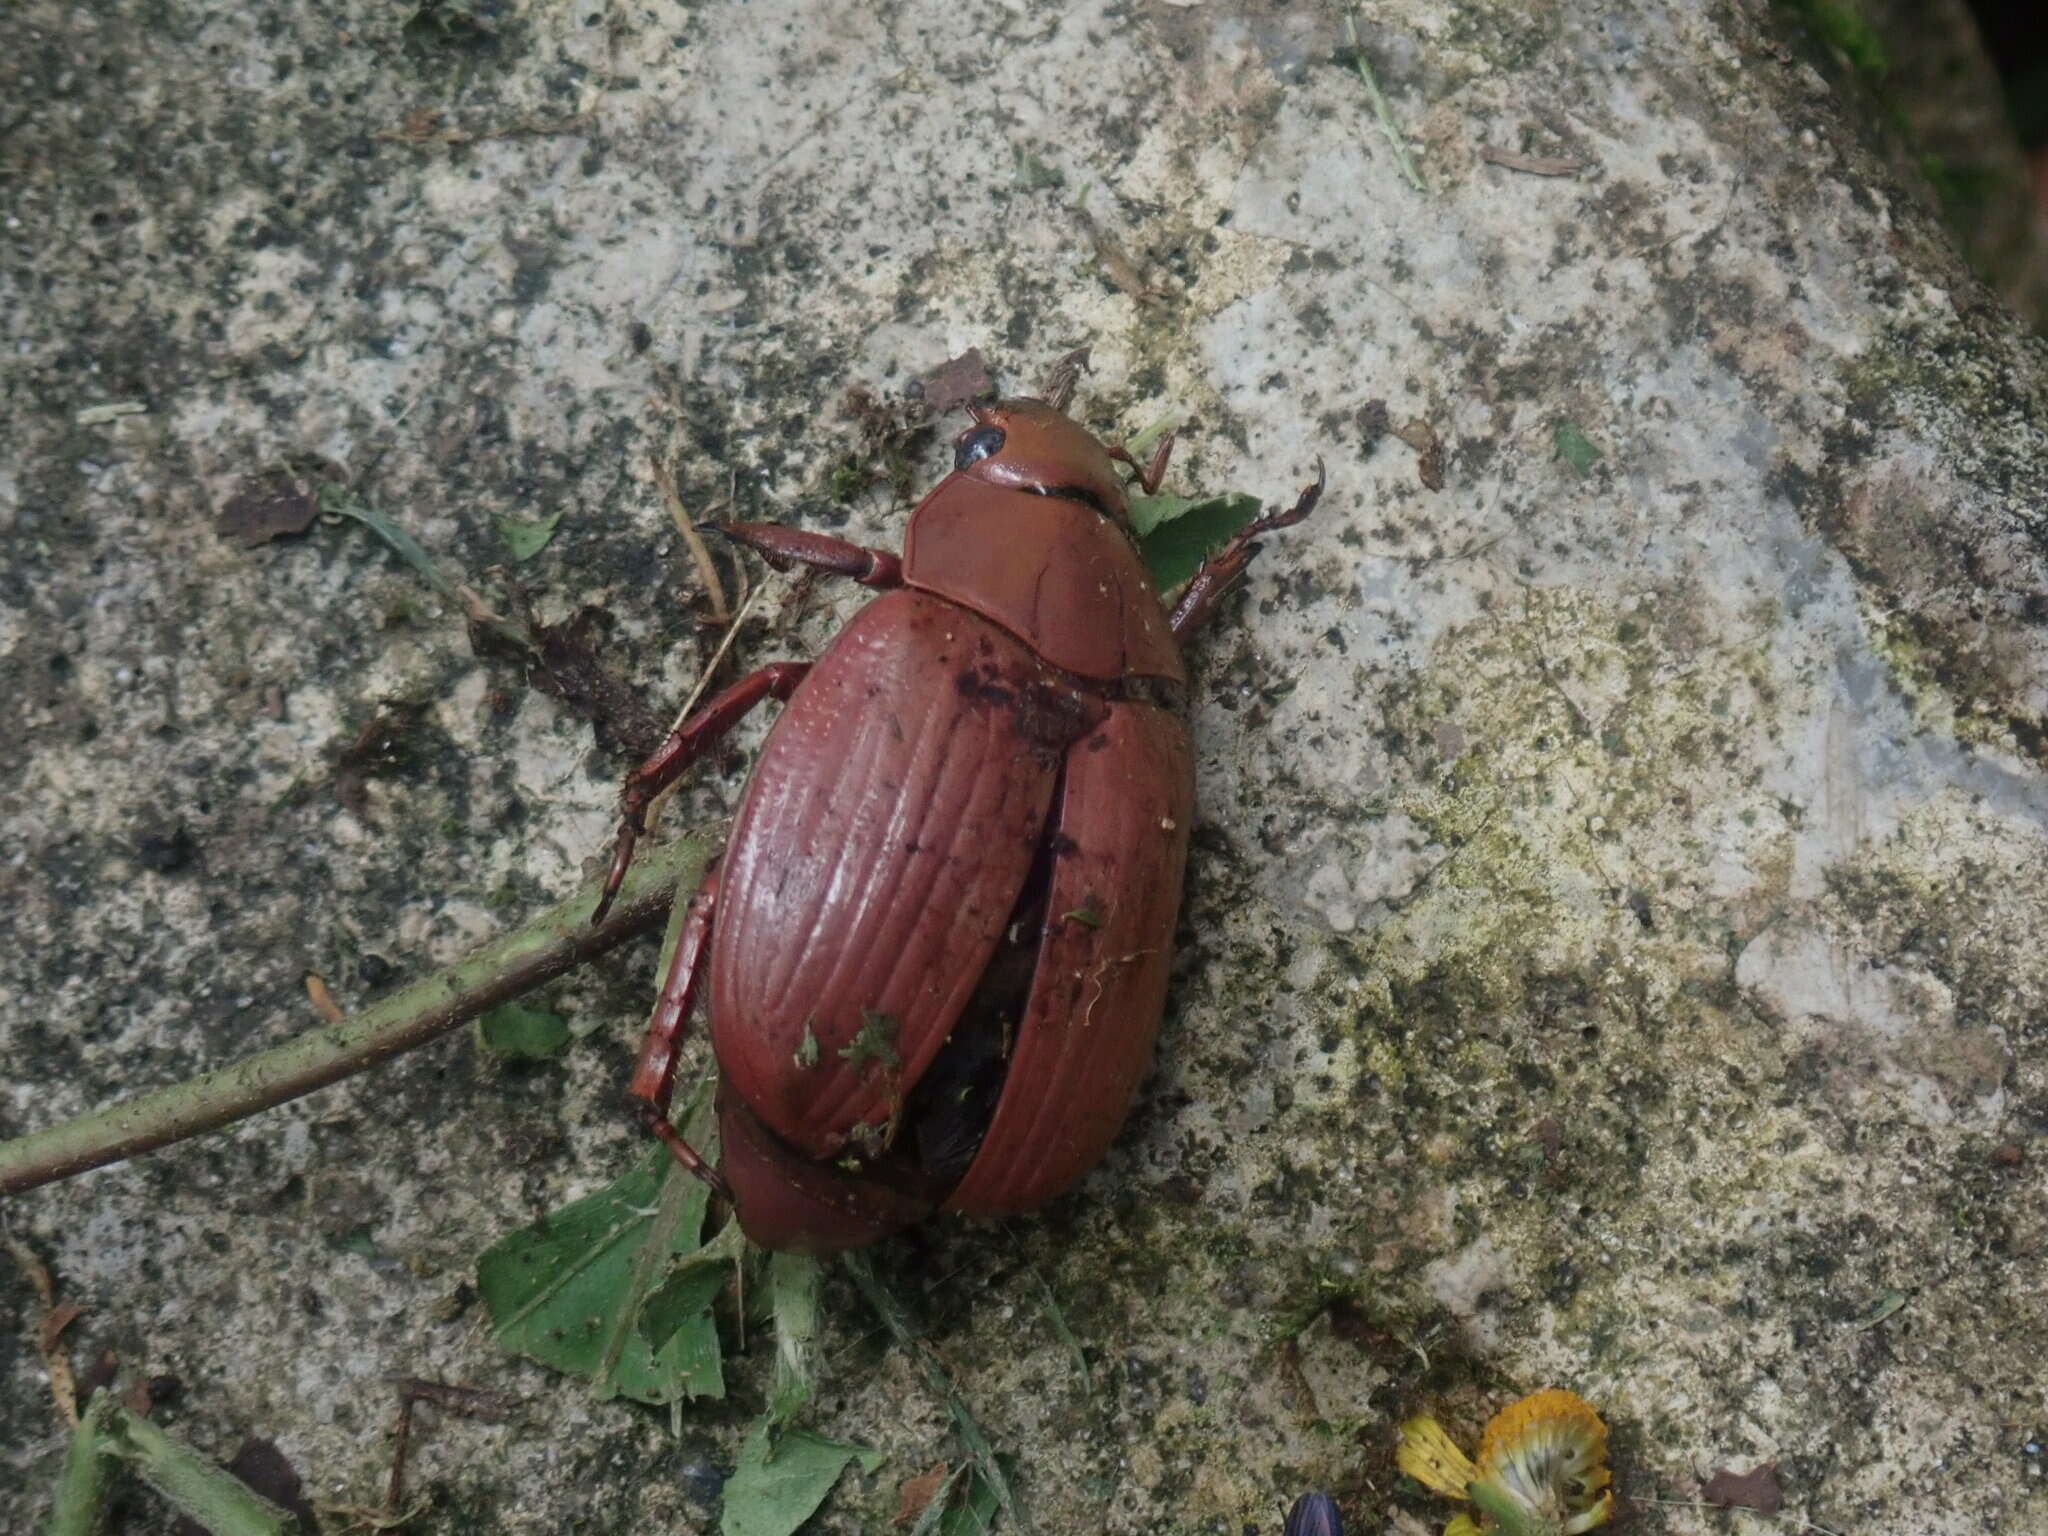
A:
(1541, 1471)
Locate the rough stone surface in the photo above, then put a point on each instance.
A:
(1612, 955)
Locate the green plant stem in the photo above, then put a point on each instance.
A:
(1381, 110)
(897, 1320)
(88, 1468)
(212, 1495)
(558, 940)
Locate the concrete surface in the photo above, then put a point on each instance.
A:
(1612, 956)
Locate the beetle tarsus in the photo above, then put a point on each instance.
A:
(685, 1154)
(622, 855)
(1222, 571)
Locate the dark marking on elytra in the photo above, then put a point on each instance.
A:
(1049, 713)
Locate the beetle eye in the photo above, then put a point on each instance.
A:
(977, 445)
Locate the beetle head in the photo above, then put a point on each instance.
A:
(1028, 445)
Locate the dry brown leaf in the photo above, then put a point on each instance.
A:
(55, 1321)
(1429, 452)
(917, 1492)
(1755, 1489)
(265, 507)
(56, 1361)
(958, 381)
(323, 1000)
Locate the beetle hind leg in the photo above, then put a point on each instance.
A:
(654, 1076)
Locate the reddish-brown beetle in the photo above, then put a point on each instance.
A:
(937, 940)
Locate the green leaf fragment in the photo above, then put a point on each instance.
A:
(876, 1041)
(522, 1033)
(1065, 1334)
(570, 1290)
(1508, 1514)
(1887, 1304)
(1176, 533)
(110, 1434)
(1149, 512)
(806, 1054)
(896, 1318)
(337, 502)
(1574, 447)
(965, 1505)
(523, 540)
(975, 1513)
(1034, 175)
(781, 1480)
(1137, 446)
(685, 1296)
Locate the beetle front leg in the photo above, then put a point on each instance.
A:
(1222, 570)
(688, 742)
(783, 547)
(1150, 476)
(654, 1076)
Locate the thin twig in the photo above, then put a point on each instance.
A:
(495, 1407)
(707, 572)
(1533, 165)
(711, 667)
(557, 941)
(1380, 108)
(56, 1358)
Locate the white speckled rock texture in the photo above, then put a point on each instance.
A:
(1612, 953)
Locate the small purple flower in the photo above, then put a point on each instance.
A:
(1314, 1514)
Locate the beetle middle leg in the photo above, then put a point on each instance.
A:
(688, 742)
(1224, 569)
(1150, 476)
(654, 1076)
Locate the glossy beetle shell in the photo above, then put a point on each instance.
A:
(962, 761)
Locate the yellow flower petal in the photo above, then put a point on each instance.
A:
(1547, 1455)
(1426, 1454)
(1464, 1525)
(1601, 1512)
